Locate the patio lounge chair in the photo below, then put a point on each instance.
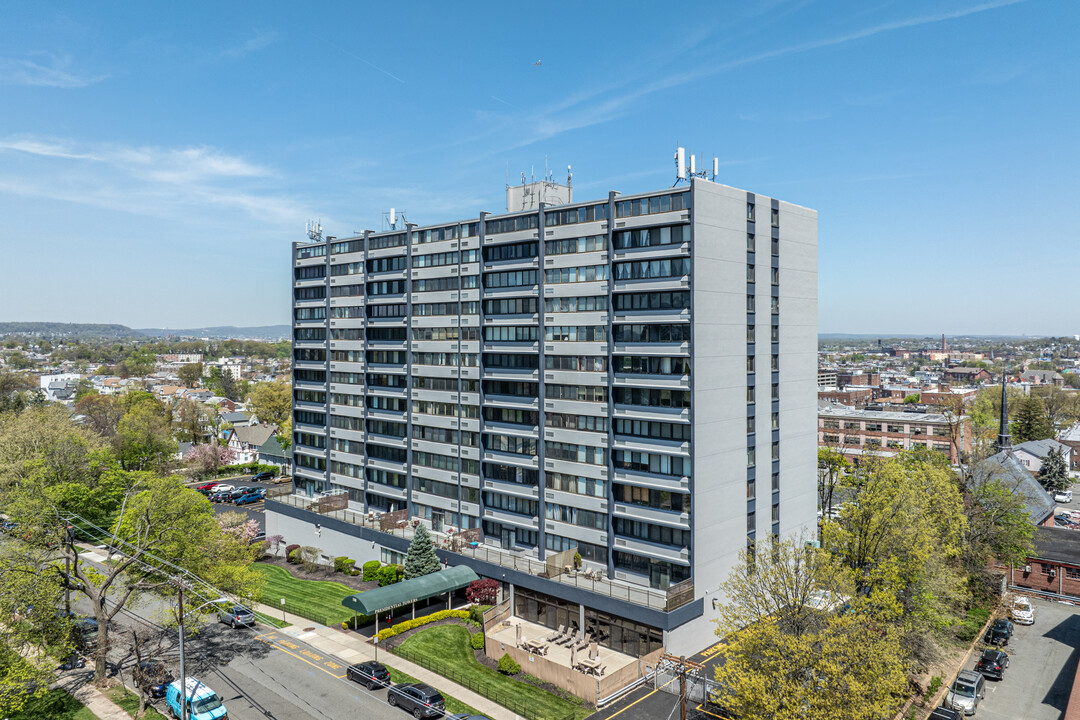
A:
(557, 634)
(583, 642)
(570, 638)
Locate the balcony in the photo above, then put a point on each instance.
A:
(551, 569)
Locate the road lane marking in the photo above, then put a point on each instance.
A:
(317, 661)
(640, 699)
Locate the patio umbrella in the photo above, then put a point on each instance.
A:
(573, 656)
(517, 632)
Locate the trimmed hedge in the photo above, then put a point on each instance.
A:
(410, 624)
(371, 570)
(343, 564)
(476, 613)
(358, 621)
(508, 665)
(477, 641)
(289, 550)
(390, 574)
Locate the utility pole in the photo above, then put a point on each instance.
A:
(67, 570)
(183, 670)
(682, 688)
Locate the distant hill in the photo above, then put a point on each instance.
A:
(224, 332)
(77, 331)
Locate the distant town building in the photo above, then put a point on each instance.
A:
(856, 432)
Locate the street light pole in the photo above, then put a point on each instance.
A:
(183, 669)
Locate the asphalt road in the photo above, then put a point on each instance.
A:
(258, 672)
(1043, 661)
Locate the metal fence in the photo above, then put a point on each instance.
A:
(509, 701)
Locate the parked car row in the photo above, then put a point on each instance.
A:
(420, 699)
(223, 493)
(969, 687)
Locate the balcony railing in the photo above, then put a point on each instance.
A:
(590, 581)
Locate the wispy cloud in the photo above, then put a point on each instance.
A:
(584, 110)
(58, 73)
(146, 180)
(354, 56)
(259, 40)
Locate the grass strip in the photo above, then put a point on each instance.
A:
(55, 705)
(453, 705)
(449, 653)
(129, 702)
(318, 600)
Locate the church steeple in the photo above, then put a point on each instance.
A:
(1004, 441)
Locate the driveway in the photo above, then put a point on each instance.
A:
(1043, 659)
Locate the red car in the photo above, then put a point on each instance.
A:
(207, 486)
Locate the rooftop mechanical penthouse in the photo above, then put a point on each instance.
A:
(631, 378)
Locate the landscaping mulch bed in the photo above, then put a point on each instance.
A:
(392, 642)
(328, 573)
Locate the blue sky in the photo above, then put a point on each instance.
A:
(156, 160)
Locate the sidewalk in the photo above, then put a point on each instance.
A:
(96, 702)
(352, 648)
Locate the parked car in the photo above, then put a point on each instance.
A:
(207, 486)
(84, 633)
(423, 701)
(264, 476)
(992, 664)
(371, 673)
(1065, 521)
(966, 691)
(222, 487)
(219, 497)
(1063, 496)
(238, 492)
(247, 498)
(154, 676)
(236, 615)
(1023, 612)
(945, 713)
(73, 662)
(999, 632)
(203, 703)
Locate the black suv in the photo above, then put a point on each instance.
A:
(999, 633)
(264, 476)
(154, 676)
(423, 701)
(992, 664)
(370, 673)
(944, 713)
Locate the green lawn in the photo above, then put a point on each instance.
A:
(55, 705)
(448, 647)
(129, 701)
(453, 705)
(318, 600)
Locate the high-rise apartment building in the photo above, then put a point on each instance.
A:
(632, 377)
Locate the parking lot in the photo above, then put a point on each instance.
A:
(253, 510)
(1042, 666)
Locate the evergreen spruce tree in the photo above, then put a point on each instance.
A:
(420, 560)
(1054, 475)
(1030, 422)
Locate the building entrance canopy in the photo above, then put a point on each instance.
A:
(378, 600)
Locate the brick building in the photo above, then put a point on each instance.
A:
(856, 432)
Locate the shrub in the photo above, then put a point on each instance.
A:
(289, 549)
(577, 560)
(354, 572)
(410, 624)
(508, 666)
(389, 574)
(476, 613)
(343, 564)
(477, 641)
(309, 555)
(358, 621)
(483, 592)
(371, 570)
(294, 556)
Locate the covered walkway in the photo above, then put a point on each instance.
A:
(377, 601)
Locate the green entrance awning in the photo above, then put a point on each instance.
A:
(407, 591)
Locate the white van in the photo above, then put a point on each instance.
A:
(203, 703)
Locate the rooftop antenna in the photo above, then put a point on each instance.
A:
(393, 219)
(715, 167)
(569, 177)
(314, 230)
(680, 165)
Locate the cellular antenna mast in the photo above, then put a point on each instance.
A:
(314, 230)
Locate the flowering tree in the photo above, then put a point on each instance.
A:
(239, 526)
(206, 459)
